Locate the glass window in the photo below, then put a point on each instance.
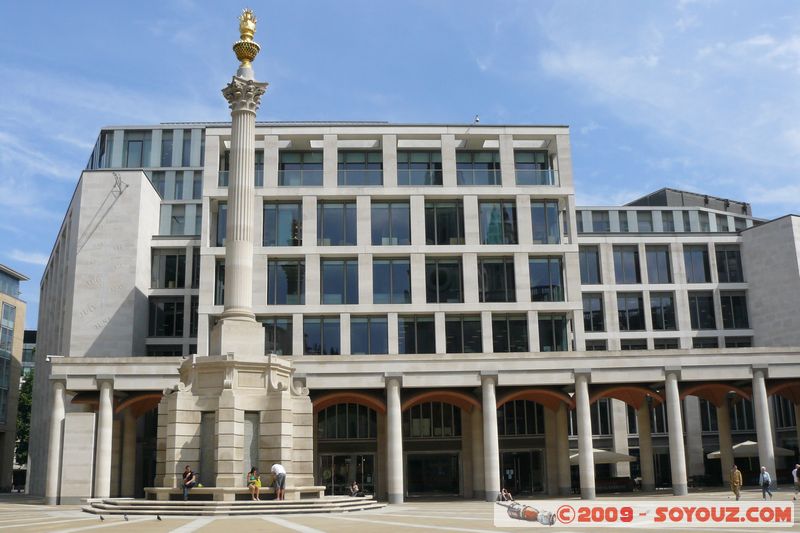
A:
(197, 185)
(496, 279)
(258, 175)
(624, 226)
(196, 267)
(478, 167)
(701, 310)
(544, 215)
(286, 282)
(687, 226)
(696, 260)
(546, 279)
(498, 222)
(596, 346)
(283, 224)
(321, 336)
(668, 221)
(729, 264)
(391, 281)
(133, 155)
(360, 168)
(166, 148)
(738, 342)
(443, 280)
(432, 420)
(159, 181)
(222, 223)
(369, 335)
(219, 282)
(178, 220)
(593, 313)
(463, 334)
(166, 317)
(705, 342)
(187, 148)
(662, 310)
(336, 224)
(665, 344)
(419, 167)
(600, 222)
(277, 335)
(416, 334)
(391, 223)
(734, 310)
(177, 191)
(533, 168)
(339, 281)
(347, 421)
(300, 169)
(644, 220)
(520, 417)
(552, 333)
(631, 311)
(444, 223)
(224, 168)
(739, 223)
(626, 264)
(589, 257)
(658, 265)
(705, 225)
(168, 269)
(633, 344)
(510, 333)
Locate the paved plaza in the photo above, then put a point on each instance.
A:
(25, 514)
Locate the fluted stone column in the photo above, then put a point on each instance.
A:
(725, 439)
(645, 447)
(394, 440)
(105, 431)
(128, 487)
(677, 455)
(562, 440)
(491, 443)
(478, 471)
(585, 448)
(766, 450)
(57, 414)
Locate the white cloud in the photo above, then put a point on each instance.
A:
(590, 127)
(28, 257)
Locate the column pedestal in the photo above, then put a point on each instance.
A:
(677, 455)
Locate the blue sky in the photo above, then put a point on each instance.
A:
(695, 94)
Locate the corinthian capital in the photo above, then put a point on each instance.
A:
(244, 95)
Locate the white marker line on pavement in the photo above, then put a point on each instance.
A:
(45, 523)
(416, 526)
(194, 525)
(291, 525)
(107, 523)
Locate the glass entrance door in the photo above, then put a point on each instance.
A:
(522, 471)
(338, 471)
(433, 474)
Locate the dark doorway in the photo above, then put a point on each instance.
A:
(522, 472)
(434, 474)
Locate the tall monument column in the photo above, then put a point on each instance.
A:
(238, 331)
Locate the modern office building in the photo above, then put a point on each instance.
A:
(12, 325)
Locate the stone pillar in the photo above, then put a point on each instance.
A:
(128, 485)
(478, 473)
(677, 455)
(619, 427)
(645, 447)
(562, 441)
(54, 450)
(105, 430)
(394, 440)
(491, 451)
(550, 452)
(766, 450)
(725, 440)
(466, 454)
(229, 452)
(585, 448)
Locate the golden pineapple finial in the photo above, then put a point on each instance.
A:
(246, 48)
(247, 24)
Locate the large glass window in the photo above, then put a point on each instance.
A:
(589, 257)
(546, 280)
(668, 221)
(496, 279)
(705, 225)
(166, 317)
(444, 223)
(626, 264)
(593, 319)
(662, 310)
(644, 220)
(443, 280)
(339, 281)
(478, 167)
(734, 310)
(658, 265)
(665, 344)
(187, 148)
(627, 345)
(300, 169)
(166, 148)
(510, 333)
(463, 334)
(705, 342)
(133, 153)
(520, 417)
(347, 421)
(533, 168)
(321, 336)
(701, 310)
(419, 167)
(596, 346)
(416, 334)
(729, 264)
(600, 222)
(498, 222)
(286, 282)
(277, 335)
(553, 333)
(630, 307)
(369, 335)
(168, 269)
(391, 281)
(283, 224)
(432, 420)
(544, 217)
(336, 224)
(391, 223)
(177, 219)
(360, 168)
(696, 260)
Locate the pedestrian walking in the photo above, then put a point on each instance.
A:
(279, 473)
(736, 481)
(765, 481)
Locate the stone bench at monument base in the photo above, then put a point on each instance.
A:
(224, 494)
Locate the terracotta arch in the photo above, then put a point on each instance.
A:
(787, 389)
(460, 399)
(633, 395)
(139, 404)
(360, 398)
(549, 398)
(714, 392)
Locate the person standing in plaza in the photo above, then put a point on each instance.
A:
(765, 480)
(279, 473)
(736, 481)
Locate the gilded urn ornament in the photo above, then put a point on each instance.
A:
(246, 48)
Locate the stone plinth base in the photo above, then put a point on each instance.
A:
(237, 336)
